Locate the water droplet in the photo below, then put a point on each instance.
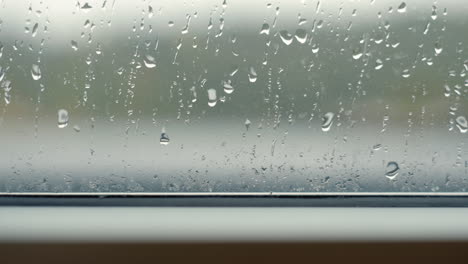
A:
(286, 37)
(228, 87)
(34, 30)
(252, 75)
(164, 139)
(36, 72)
(377, 146)
(405, 73)
(76, 128)
(301, 35)
(150, 12)
(212, 97)
(357, 53)
(437, 48)
(86, 7)
(2, 73)
(62, 118)
(462, 124)
(378, 64)
(392, 170)
(434, 13)
(74, 45)
(446, 90)
(265, 30)
(150, 61)
(234, 70)
(315, 48)
(327, 121)
(402, 7)
(170, 23)
(247, 124)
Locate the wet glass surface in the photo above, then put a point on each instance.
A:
(233, 96)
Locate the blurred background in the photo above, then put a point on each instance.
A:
(233, 96)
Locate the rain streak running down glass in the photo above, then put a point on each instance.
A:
(233, 96)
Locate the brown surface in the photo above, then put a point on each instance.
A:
(343, 253)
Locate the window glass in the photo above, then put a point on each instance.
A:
(233, 96)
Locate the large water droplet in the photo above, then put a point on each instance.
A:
(405, 73)
(392, 170)
(301, 35)
(228, 87)
(36, 72)
(402, 7)
(315, 48)
(74, 45)
(286, 37)
(86, 7)
(357, 53)
(150, 61)
(265, 30)
(164, 139)
(462, 124)
(252, 74)
(327, 121)
(62, 118)
(247, 124)
(212, 97)
(378, 64)
(434, 13)
(150, 12)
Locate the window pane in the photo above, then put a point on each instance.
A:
(233, 96)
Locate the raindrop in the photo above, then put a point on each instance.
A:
(150, 11)
(265, 30)
(426, 28)
(76, 128)
(74, 45)
(34, 30)
(377, 146)
(212, 97)
(462, 124)
(446, 90)
(405, 73)
(164, 139)
(36, 72)
(2, 73)
(378, 64)
(150, 61)
(228, 87)
(392, 170)
(301, 35)
(86, 7)
(327, 121)
(62, 118)
(434, 13)
(315, 48)
(437, 48)
(402, 7)
(357, 53)
(286, 37)
(170, 23)
(252, 75)
(234, 70)
(247, 123)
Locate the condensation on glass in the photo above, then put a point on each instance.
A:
(233, 96)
